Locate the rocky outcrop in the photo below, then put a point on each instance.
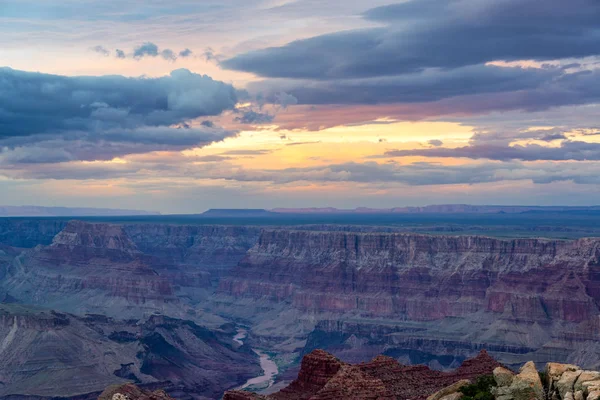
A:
(455, 294)
(323, 376)
(526, 385)
(132, 392)
(562, 382)
(568, 381)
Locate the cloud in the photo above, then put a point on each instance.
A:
(254, 118)
(436, 34)
(416, 174)
(106, 145)
(185, 53)
(246, 152)
(35, 103)
(147, 49)
(424, 86)
(505, 137)
(168, 55)
(435, 143)
(54, 119)
(568, 150)
(101, 50)
(439, 51)
(213, 158)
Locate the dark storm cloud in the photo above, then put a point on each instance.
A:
(35, 103)
(53, 119)
(568, 150)
(437, 33)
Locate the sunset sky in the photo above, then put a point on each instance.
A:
(187, 105)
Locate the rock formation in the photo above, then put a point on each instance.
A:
(526, 385)
(323, 376)
(569, 382)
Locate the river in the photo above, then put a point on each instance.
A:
(270, 370)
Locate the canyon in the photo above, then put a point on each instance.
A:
(168, 290)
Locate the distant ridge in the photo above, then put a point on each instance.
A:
(437, 209)
(36, 211)
(237, 212)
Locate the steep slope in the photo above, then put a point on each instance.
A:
(322, 376)
(49, 354)
(427, 298)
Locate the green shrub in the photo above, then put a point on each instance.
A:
(480, 390)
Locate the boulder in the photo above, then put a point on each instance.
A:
(586, 376)
(449, 390)
(555, 370)
(566, 382)
(524, 386)
(595, 395)
(503, 376)
(590, 386)
(579, 395)
(569, 396)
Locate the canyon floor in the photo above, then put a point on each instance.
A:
(202, 305)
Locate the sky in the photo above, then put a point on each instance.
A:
(187, 105)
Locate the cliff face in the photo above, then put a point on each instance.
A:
(194, 256)
(516, 295)
(423, 277)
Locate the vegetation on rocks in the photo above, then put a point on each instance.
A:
(480, 390)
